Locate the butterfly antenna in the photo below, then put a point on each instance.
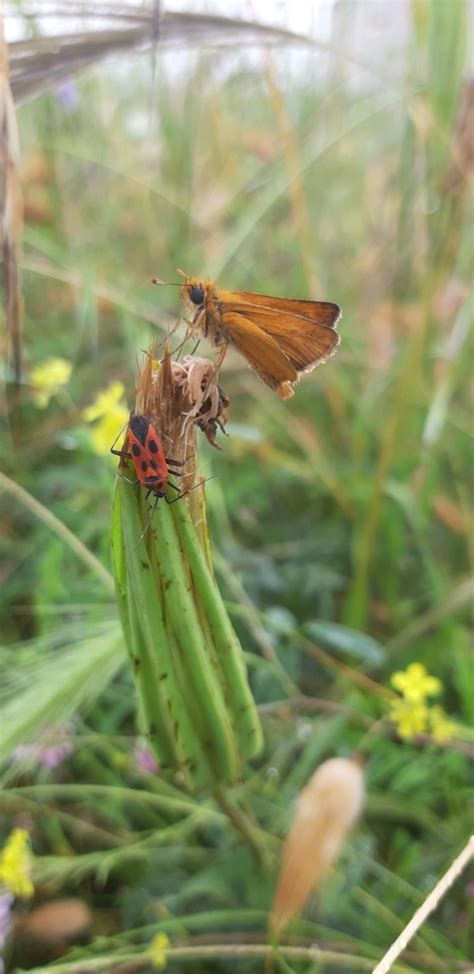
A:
(157, 280)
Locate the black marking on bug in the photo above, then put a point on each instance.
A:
(139, 426)
(136, 450)
(152, 445)
(144, 465)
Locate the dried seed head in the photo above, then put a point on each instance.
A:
(326, 809)
(175, 397)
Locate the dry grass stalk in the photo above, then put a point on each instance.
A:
(326, 809)
(456, 868)
(463, 143)
(38, 63)
(11, 207)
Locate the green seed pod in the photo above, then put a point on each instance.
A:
(188, 665)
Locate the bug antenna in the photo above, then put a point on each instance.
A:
(119, 434)
(145, 529)
(200, 484)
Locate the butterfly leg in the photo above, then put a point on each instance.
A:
(220, 358)
(177, 351)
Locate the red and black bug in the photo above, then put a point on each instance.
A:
(148, 456)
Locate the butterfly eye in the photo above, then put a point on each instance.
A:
(196, 295)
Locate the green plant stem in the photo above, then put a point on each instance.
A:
(357, 604)
(108, 794)
(242, 822)
(235, 952)
(60, 529)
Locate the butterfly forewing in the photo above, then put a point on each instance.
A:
(321, 312)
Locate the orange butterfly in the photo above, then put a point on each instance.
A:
(281, 338)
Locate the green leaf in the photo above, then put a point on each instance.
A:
(347, 641)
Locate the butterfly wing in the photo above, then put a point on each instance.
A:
(320, 312)
(262, 353)
(304, 331)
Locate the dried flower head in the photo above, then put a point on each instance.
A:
(325, 811)
(176, 397)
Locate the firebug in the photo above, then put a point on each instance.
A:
(148, 457)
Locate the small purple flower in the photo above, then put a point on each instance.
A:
(6, 902)
(68, 95)
(145, 760)
(56, 754)
(49, 751)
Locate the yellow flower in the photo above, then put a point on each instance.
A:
(15, 864)
(106, 431)
(410, 718)
(415, 684)
(109, 414)
(48, 378)
(158, 948)
(442, 728)
(104, 403)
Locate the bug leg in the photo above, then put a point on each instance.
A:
(133, 483)
(175, 463)
(121, 453)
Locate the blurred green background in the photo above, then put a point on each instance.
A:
(336, 168)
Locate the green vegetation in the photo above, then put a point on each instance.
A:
(340, 520)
